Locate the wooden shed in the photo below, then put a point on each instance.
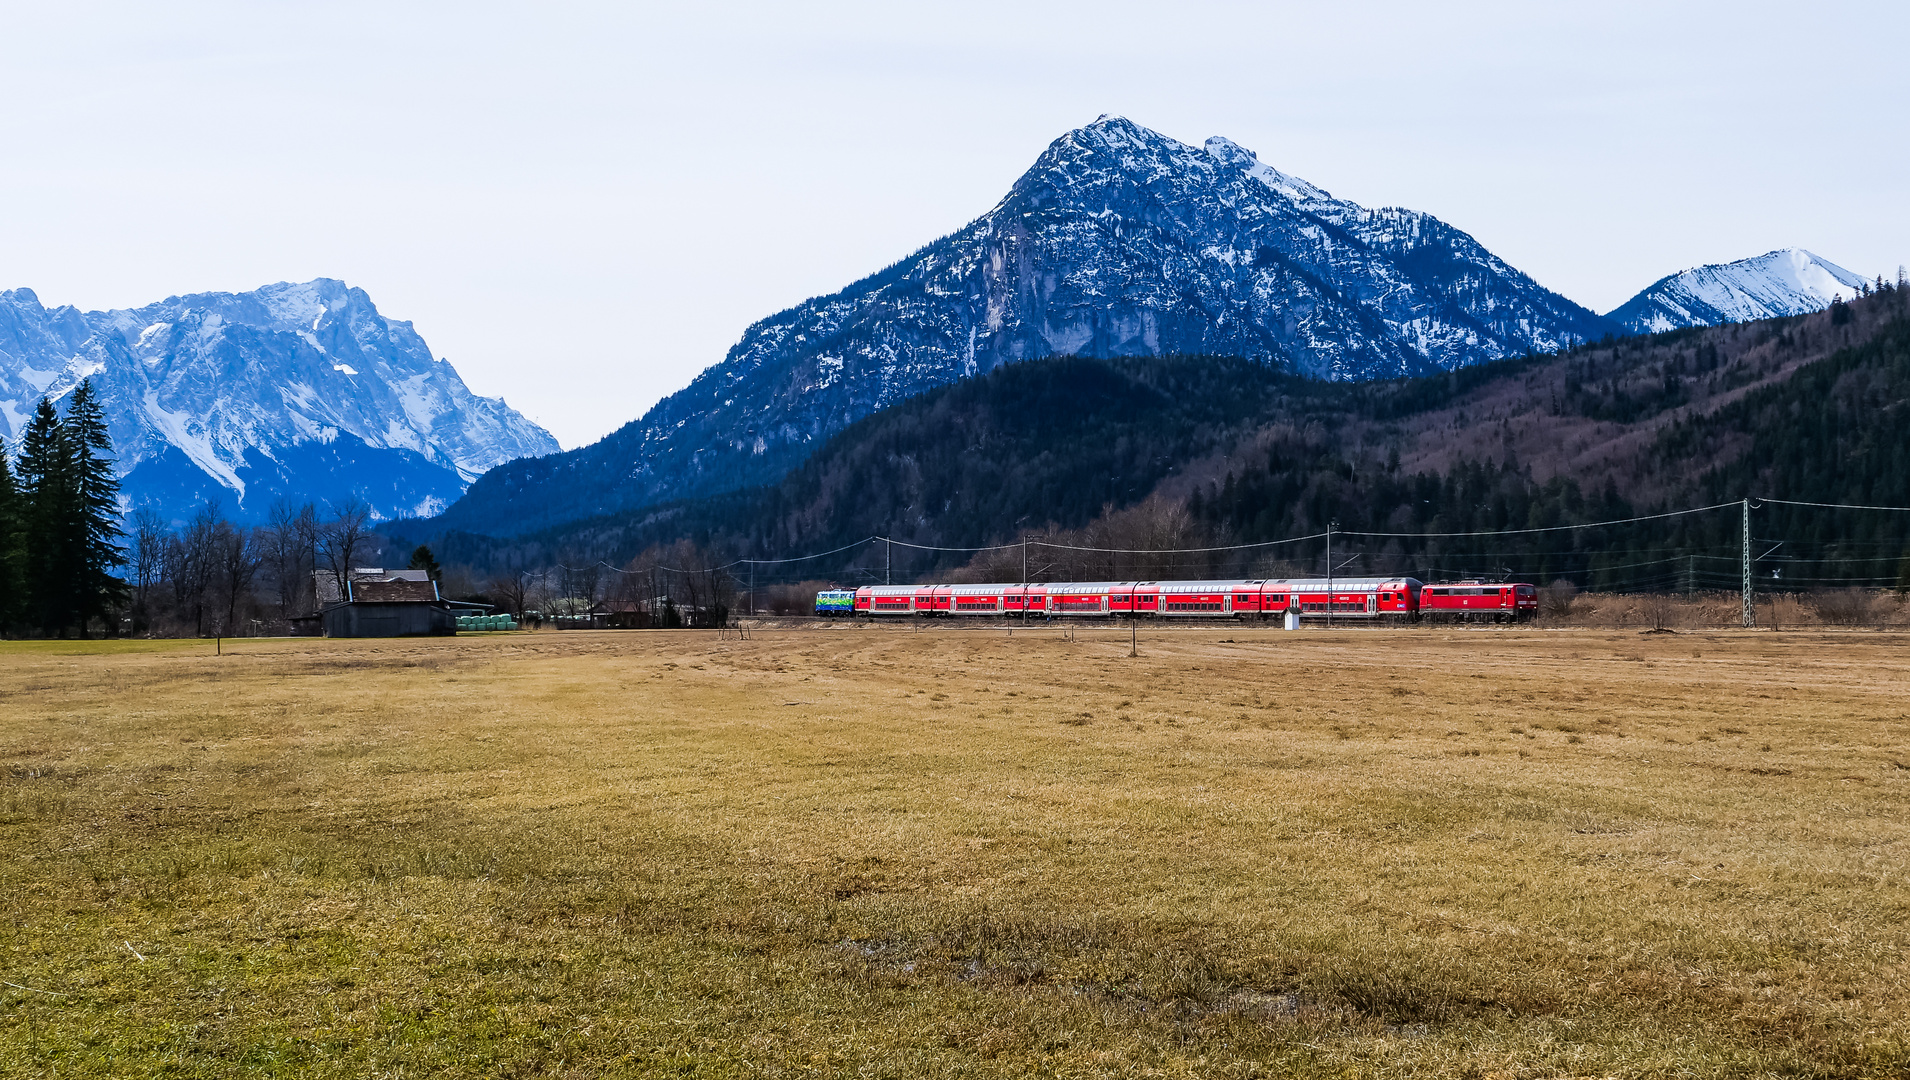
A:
(390, 608)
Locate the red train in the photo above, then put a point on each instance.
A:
(1375, 599)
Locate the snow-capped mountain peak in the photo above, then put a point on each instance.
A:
(302, 390)
(1117, 241)
(1788, 281)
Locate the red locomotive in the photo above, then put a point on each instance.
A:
(1401, 599)
(1466, 601)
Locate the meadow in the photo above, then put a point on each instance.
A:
(953, 853)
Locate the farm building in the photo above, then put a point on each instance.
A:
(385, 603)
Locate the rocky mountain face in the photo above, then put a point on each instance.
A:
(297, 391)
(1119, 241)
(1789, 281)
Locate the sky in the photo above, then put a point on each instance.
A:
(582, 205)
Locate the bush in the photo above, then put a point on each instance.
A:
(1844, 607)
(1556, 599)
(797, 599)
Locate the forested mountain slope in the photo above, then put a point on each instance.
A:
(1804, 407)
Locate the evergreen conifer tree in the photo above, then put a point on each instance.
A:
(94, 528)
(11, 553)
(422, 559)
(46, 515)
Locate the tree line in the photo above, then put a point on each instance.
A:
(69, 566)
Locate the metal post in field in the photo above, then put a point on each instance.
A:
(1329, 574)
(1750, 608)
(888, 561)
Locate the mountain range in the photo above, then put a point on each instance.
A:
(302, 391)
(1118, 242)
(1144, 453)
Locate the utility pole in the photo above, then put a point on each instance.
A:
(1750, 609)
(1329, 573)
(752, 589)
(1024, 558)
(888, 561)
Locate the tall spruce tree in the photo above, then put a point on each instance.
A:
(95, 530)
(12, 602)
(47, 516)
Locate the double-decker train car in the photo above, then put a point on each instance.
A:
(1374, 599)
(1478, 601)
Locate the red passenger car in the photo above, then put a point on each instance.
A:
(1382, 599)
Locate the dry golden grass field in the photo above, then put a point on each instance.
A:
(872, 852)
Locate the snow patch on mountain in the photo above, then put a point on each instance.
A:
(1788, 281)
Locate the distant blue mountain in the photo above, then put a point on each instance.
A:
(303, 392)
(1119, 241)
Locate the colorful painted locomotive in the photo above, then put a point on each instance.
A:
(835, 603)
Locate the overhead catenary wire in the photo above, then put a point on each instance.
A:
(1257, 545)
(1176, 551)
(1832, 506)
(1542, 529)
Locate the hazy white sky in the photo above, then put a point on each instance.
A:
(581, 205)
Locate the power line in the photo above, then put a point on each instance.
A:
(1833, 506)
(932, 547)
(817, 555)
(1546, 529)
(1180, 551)
(1208, 550)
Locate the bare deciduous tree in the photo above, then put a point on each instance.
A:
(235, 565)
(340, 539)
(512, 589)
(190, 563)
(1661, 609)
(287, 548)
(146, 561)
(1556, 600)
